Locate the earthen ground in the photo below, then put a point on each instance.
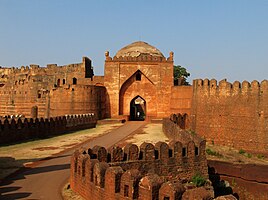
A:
(15, 156)
(32, 182)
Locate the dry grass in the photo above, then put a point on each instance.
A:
(150, 133)
(235, 156)
(68, 194)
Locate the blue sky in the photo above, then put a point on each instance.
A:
(211, 38)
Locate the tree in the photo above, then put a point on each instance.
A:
(180, 74)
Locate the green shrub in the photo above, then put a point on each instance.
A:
(260, 156)
(213, 153)
(241, 151)
(192, 132)
(248, 155)
(198, 180)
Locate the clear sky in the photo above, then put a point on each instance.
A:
(211, 38)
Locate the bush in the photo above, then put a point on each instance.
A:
(241, 151)
(213, 153)
(198, 180)
(260, 156)
(248, 155)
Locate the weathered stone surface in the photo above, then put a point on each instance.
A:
(226, 197)
(197, 193)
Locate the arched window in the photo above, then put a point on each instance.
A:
(74, 81)
(138, 76)
(58, 82)
(63, 82)
(196, 151)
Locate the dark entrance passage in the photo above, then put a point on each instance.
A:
(137, 109)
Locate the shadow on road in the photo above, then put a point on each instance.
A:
(15, 196)
(7, 192)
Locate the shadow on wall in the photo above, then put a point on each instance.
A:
(221, 187)
(17, 130)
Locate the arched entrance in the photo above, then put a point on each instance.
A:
(137, 109)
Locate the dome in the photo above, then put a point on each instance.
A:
(137, 48)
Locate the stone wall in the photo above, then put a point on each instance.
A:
(235, 114)
(77, 99)
(148, 172)
(249, 181)
(181, 99)
(54, 90)
(15, 130)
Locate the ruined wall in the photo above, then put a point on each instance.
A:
(14, 130)
(249, 181)
(232, 114)
(148, 172)
(77, 99)
(181, 99)
(54, 90)
(154, 86)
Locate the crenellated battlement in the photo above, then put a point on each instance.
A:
(229, 113)
(17, 129)
(140, 58)
(225, 88)
(36, 68)
(147, 152)
(145, 172)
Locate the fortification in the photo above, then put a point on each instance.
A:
(14, 130)
(231, 114)
(51, 91)
(148, 172)
(138, 85)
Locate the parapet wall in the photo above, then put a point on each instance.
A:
(14, 130)
(235, 114)
(176, 129)
(145, 172)
(224, 88)
(141, 58)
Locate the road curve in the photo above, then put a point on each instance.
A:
(46, 180)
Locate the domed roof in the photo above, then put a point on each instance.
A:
(137, 48)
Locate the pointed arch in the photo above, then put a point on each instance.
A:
(137, 84)
(137, 109)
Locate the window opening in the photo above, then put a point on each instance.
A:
(138, 77)
(74, 81)
(126, 190)
(183, 152)
(196, 151)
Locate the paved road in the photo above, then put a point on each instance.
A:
(46, 180)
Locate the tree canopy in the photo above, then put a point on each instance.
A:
(180, 74)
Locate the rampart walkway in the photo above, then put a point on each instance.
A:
(46, 180)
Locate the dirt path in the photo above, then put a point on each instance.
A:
(46, 180)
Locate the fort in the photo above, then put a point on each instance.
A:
(138, 84)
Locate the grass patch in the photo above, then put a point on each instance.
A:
(213, 153)
(242, 151)
(198, 180)
(260, 156)
(192, 132)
